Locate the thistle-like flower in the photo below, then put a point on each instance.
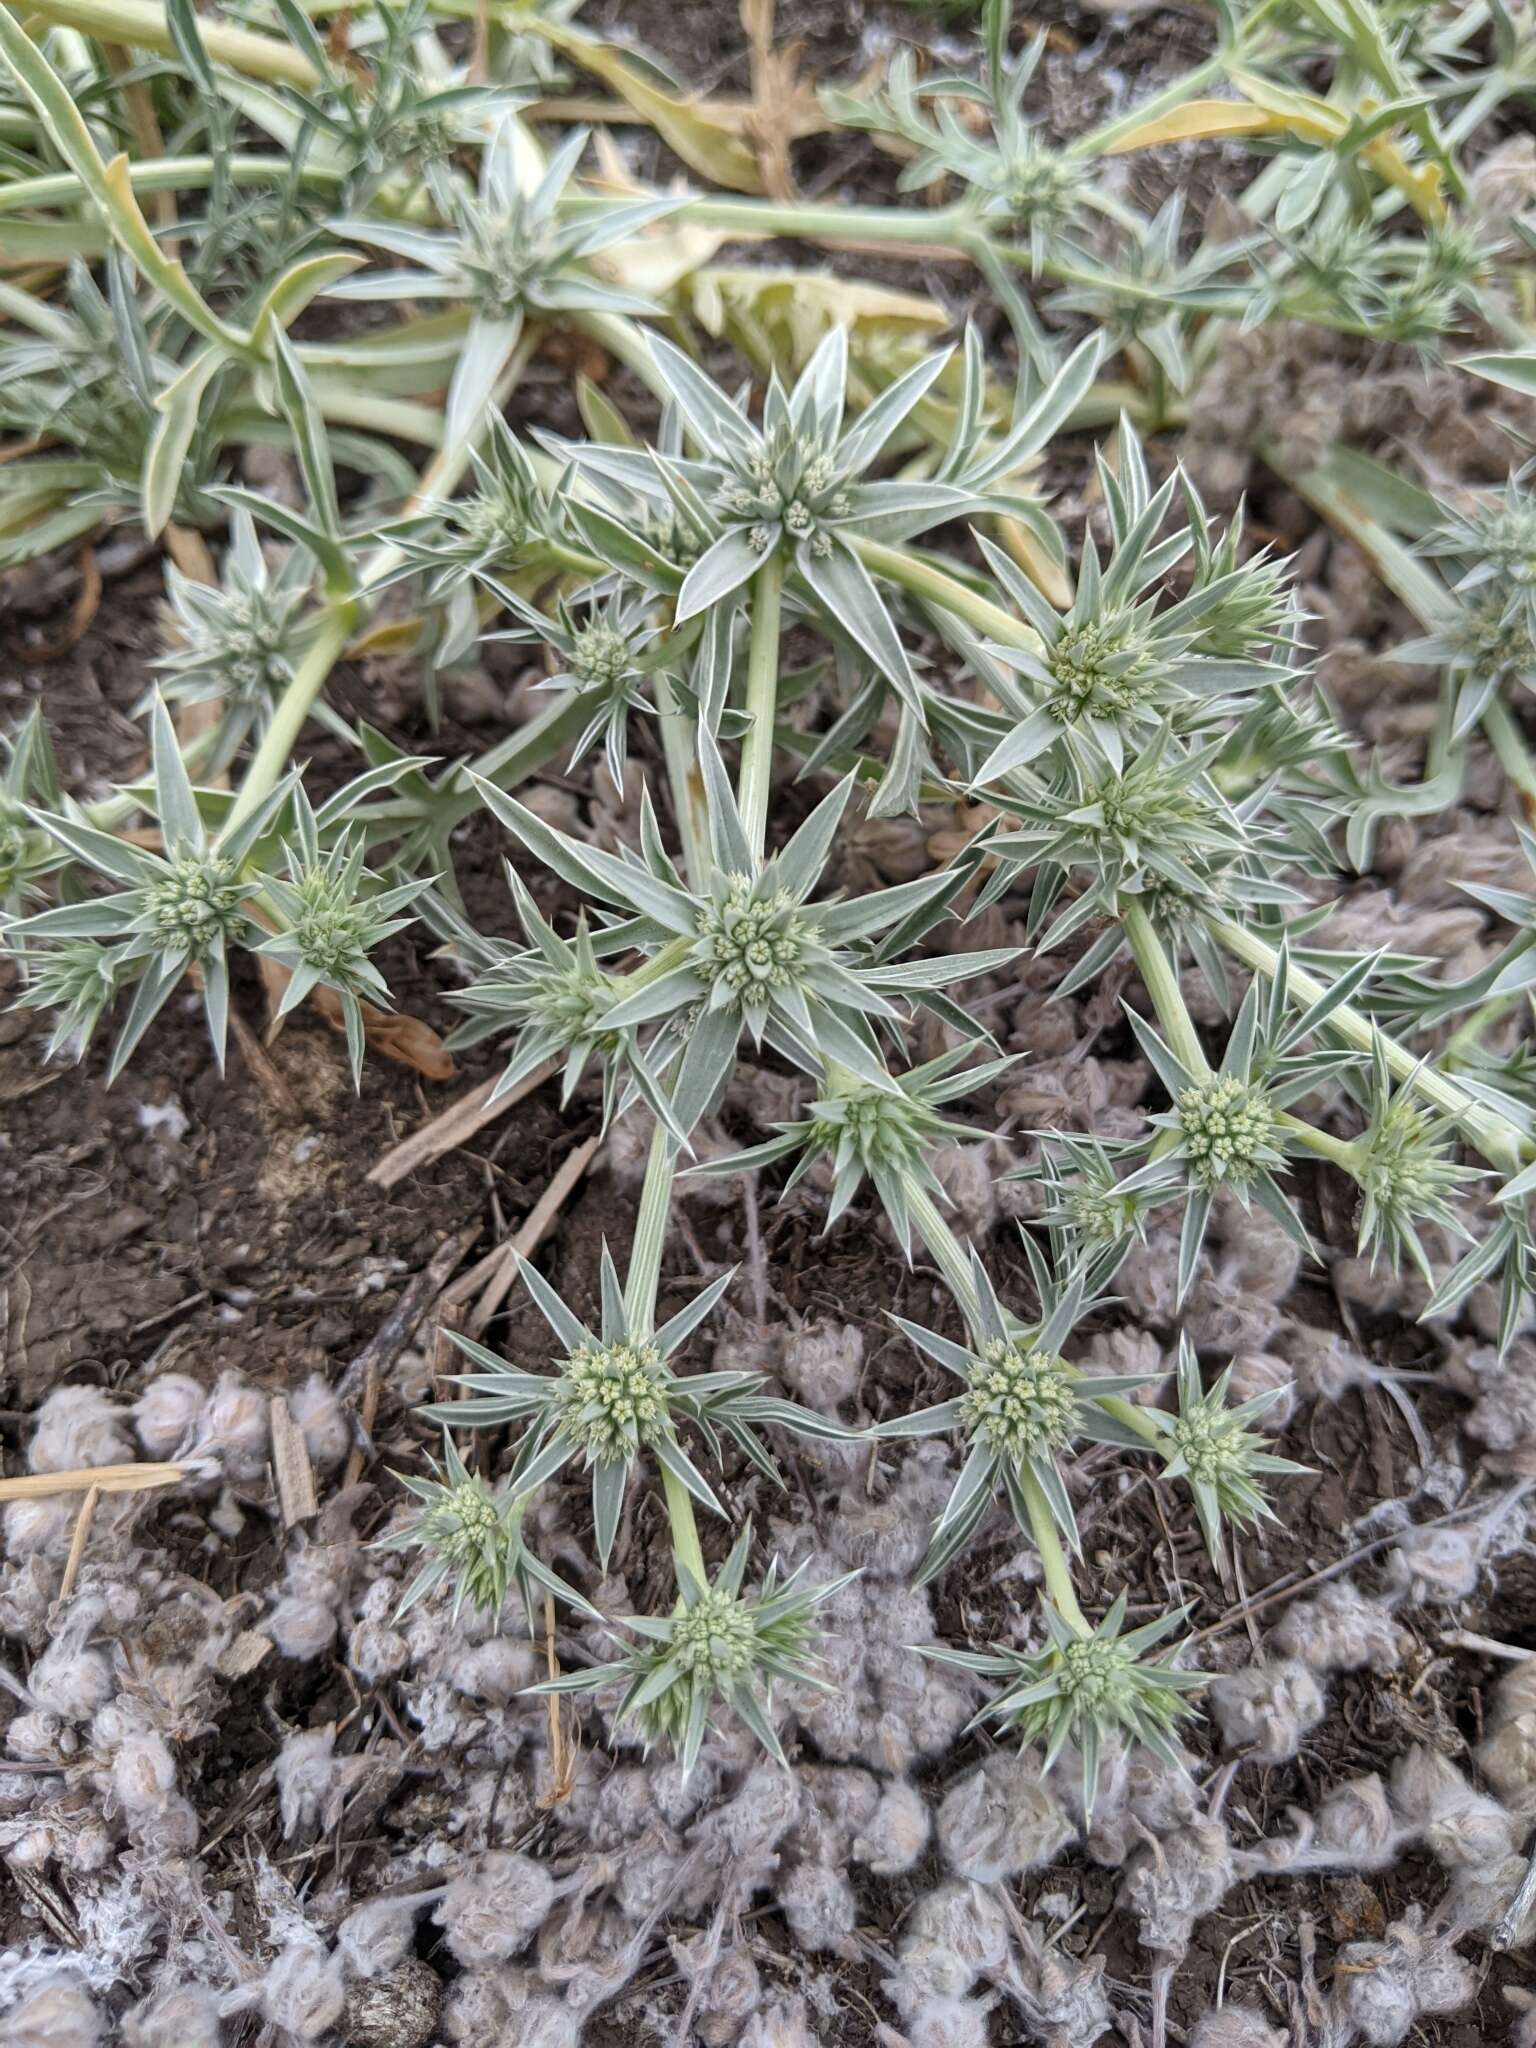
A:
(1229, 1129)
(1084, 1688)
(236, 643)
(31, 778)
(720, 1647)
(748, 951)
(1407, 1171)
(797, 486)
(1115, 669)
(77, 979)
(331, 914)
(509, 254)
(175, 910)
(880, 1134)
(1211, 1446)
(1023, 1409)
(608, 656)
(473, 1536)
(614, 1396)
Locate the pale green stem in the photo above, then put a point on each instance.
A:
(686, 1548)
(1508, 742)
(141, 25)
(923, 580)
(650, 1235)
(439, 478)
(1498, 1141)
(1340, 1151)
(1053, 1558)
(1162, 985)
(1128, 1413)
(762, 699)
(679, 746)
(164, 174)
(951, 1257)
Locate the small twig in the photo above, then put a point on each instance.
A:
(90, 1479)
(77, 1544)
(291, 1467)
(490, 1281)
(457, 1124)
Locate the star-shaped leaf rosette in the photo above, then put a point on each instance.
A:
(749, 952)
(719, 1647)
(1023, 1410)
(613, 1396)
(1085, 1687)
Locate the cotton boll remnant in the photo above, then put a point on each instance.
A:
(1507, 1759)
(56, 2015)
(182, 2016)
(1001, 1819)
(41, 1528)
(1177, 1881)
(234, 1428)
(1355, 1824)
(1268, 1709)
(1339, 1629)
(376, 1937)
(495, 1909)
(951, 1937)
(1514, 1694)
(950, 2023)
(1441, 1565)
(302, 1626)
(822, 1363)
(1460, 1826)
(818, 1905)
(1261, 1372)
(1061, 1998)
(1384, 1988)
(143, 1775)
(303, 1992)
(397, 2011)
(70, 1681)
(78, 1426)
(1235, 2026)
(896, 1833)
(305, 1771)
(323, 1420)
(166, 1413)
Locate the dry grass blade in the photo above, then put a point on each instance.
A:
(492, 1278)
(455, 1126)
(90, 1478)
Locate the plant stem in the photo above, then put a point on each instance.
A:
(164, 174)
(1053, 1559)
(949, 1254)
(1162, 985)
(1498, 1140)
(923, 580)
(439, 477)
(143, 26)
(762, 699)
(650, 1234)
(1508, 742)
(686, 1548)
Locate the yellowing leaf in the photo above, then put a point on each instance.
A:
(1195, 121)
(704, 141)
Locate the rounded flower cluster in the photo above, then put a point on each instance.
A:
(1490, 636)
(494, 521)
(1212, 1442)
(1023, 1404)
(197, 903)
(465, 1523)
(614, 1398)
(1505, 534)
(574, 1003)
(715, 1637)
(1040, 185)
(599, 654)
(247, 645)
(750, 944)
(675, 537)
(1100, 668)
(786, 489)
(504, 260)
(1227, 1127)
(1091, 1672)
(1406, 1170)
(330, 929)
